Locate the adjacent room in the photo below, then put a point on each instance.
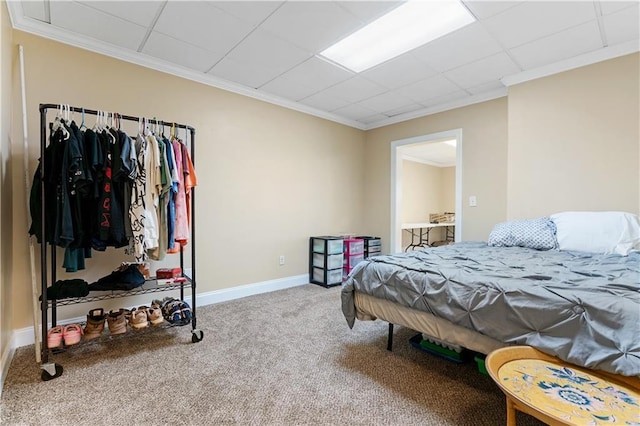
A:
(284, 212)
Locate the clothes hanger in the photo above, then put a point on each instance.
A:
(82, 125)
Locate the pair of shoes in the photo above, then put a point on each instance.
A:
(71, 334)
(117, 321)
(144, 316)
(95, 323)
(176, 312)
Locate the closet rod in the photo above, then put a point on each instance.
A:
(45, 107)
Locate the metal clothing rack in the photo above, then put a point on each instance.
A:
(52, 370)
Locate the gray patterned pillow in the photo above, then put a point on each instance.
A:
(539, 234)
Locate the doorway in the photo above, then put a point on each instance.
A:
(397, 148)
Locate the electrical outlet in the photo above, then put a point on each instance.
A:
(281, 259)
(472, 201)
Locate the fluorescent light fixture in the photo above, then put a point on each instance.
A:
(406, 27)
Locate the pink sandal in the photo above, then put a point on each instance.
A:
(72, 334)
(54, 337)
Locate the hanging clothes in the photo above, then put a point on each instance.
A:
(104, 189)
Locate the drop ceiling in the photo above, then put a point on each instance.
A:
(269, 50)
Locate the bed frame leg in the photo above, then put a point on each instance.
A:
(390, 338)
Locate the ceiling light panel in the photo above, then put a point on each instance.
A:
(406, 27)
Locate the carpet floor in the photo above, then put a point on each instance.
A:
(281, 358)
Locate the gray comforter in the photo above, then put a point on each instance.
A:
(584, 309)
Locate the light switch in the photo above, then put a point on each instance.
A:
(472, 201)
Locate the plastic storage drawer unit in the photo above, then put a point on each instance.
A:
(325, 260)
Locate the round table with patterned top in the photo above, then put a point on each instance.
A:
(559, 393)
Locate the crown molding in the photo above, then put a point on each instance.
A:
(51, 32)
(600, 55)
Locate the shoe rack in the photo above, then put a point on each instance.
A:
(48, 308)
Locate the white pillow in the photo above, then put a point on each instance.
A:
(597, 232)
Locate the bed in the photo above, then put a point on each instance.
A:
(582, 307)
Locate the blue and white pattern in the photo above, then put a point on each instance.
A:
(538, 234)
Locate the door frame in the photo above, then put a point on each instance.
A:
(396, 182)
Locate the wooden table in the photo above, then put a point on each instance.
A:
(420, 232)
(559, 393)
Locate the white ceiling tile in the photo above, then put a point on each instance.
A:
(622, 26)
(91, 22)
(386, 102)
(461, 47)
(247, 75)
(400, 71)
(312, 25)
(428, 89)
(286, 88)
(35, 10)
(178, 52)
(486, 87)
(565, 44)
(317, 74)
(355, 112)
(138, 12)
(252, 12)
(483, 71)
(372, 118)
(609, 7)
(367, 11)
(324, 102)
(485, 9)
(403, 110)
(203, 25)
(355, 89)
(268, 54)
(534, 19)
(449, 97)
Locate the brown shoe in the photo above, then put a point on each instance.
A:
(95, 324)
(154, 313)
(138, 319)
(117, 322)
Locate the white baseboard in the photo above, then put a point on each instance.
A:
(25, 336)
(7, 356)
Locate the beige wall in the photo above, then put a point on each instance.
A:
(426, 189)
(484, 170)
(448, 182)
(6, 283)
(268, 177)
(574, 141)
(421, 191)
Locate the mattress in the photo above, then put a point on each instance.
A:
(582, 308)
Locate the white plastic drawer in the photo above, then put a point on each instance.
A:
(353, 246)
(333, 246)
(351, 261)
(329, 261)
(333, 276)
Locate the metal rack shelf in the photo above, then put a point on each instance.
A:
(150, 286)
